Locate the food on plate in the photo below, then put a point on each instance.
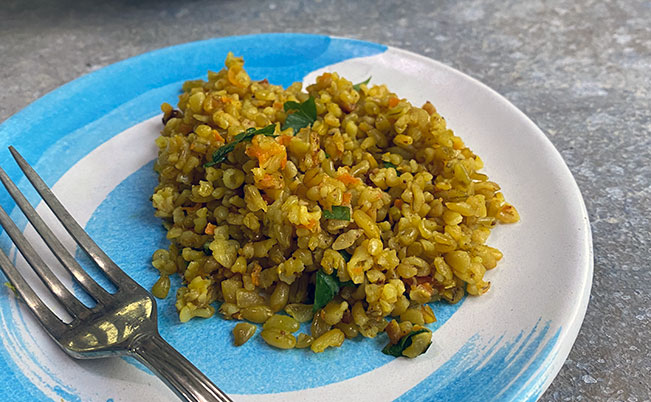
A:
(340, 206)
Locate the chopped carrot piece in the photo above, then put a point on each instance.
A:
(311, 225)
(266, 152)
(255, 274)
(398, 203)
(218, 137)
(254, 151)
(260, 154)
(393, 101)
(192, 208)
(324, 77)
(348, 179)
(232, 78)
(269, 181)
(346, 198)
(210, 229)
(284, 139)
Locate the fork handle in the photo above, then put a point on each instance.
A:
(176, 371)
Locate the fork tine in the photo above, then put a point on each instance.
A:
(65, 258)
(76, 231)
(69, 301)
(48, 319)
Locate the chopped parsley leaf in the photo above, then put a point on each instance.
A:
(338, 212)
(405, 342)
(357, 87)
(220, 155)
(304, 114)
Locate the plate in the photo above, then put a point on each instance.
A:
(92, 141)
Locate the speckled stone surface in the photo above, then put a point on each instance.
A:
(581, 70)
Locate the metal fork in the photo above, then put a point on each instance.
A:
(122, 323)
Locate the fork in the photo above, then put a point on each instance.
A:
(121, 323)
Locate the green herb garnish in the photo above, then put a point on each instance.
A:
(357, 87)
(346, 255)
(220, 155)
(405, 342)
(206, 247)
(338, 212)
(327, 287)
(391, 165)
(304, 114)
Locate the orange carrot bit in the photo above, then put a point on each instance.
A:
(255, 274)
(346, 198)
(348, 179)
(254, 150)
(269, 181)
(398, 203)
(225, 99)
(283, 161)
(325, 77)
(357, 270)
(311, 225)
(218, 137)
(210, 229)
(193, 208)
(232, 78)
(457, 143)
(393, 101)
(284, 139)
(262, 155)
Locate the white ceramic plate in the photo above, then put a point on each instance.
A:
(92, 140)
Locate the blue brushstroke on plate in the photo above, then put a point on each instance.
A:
(66, 395)
(479, 375)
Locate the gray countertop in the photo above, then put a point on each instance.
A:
(581, 70)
